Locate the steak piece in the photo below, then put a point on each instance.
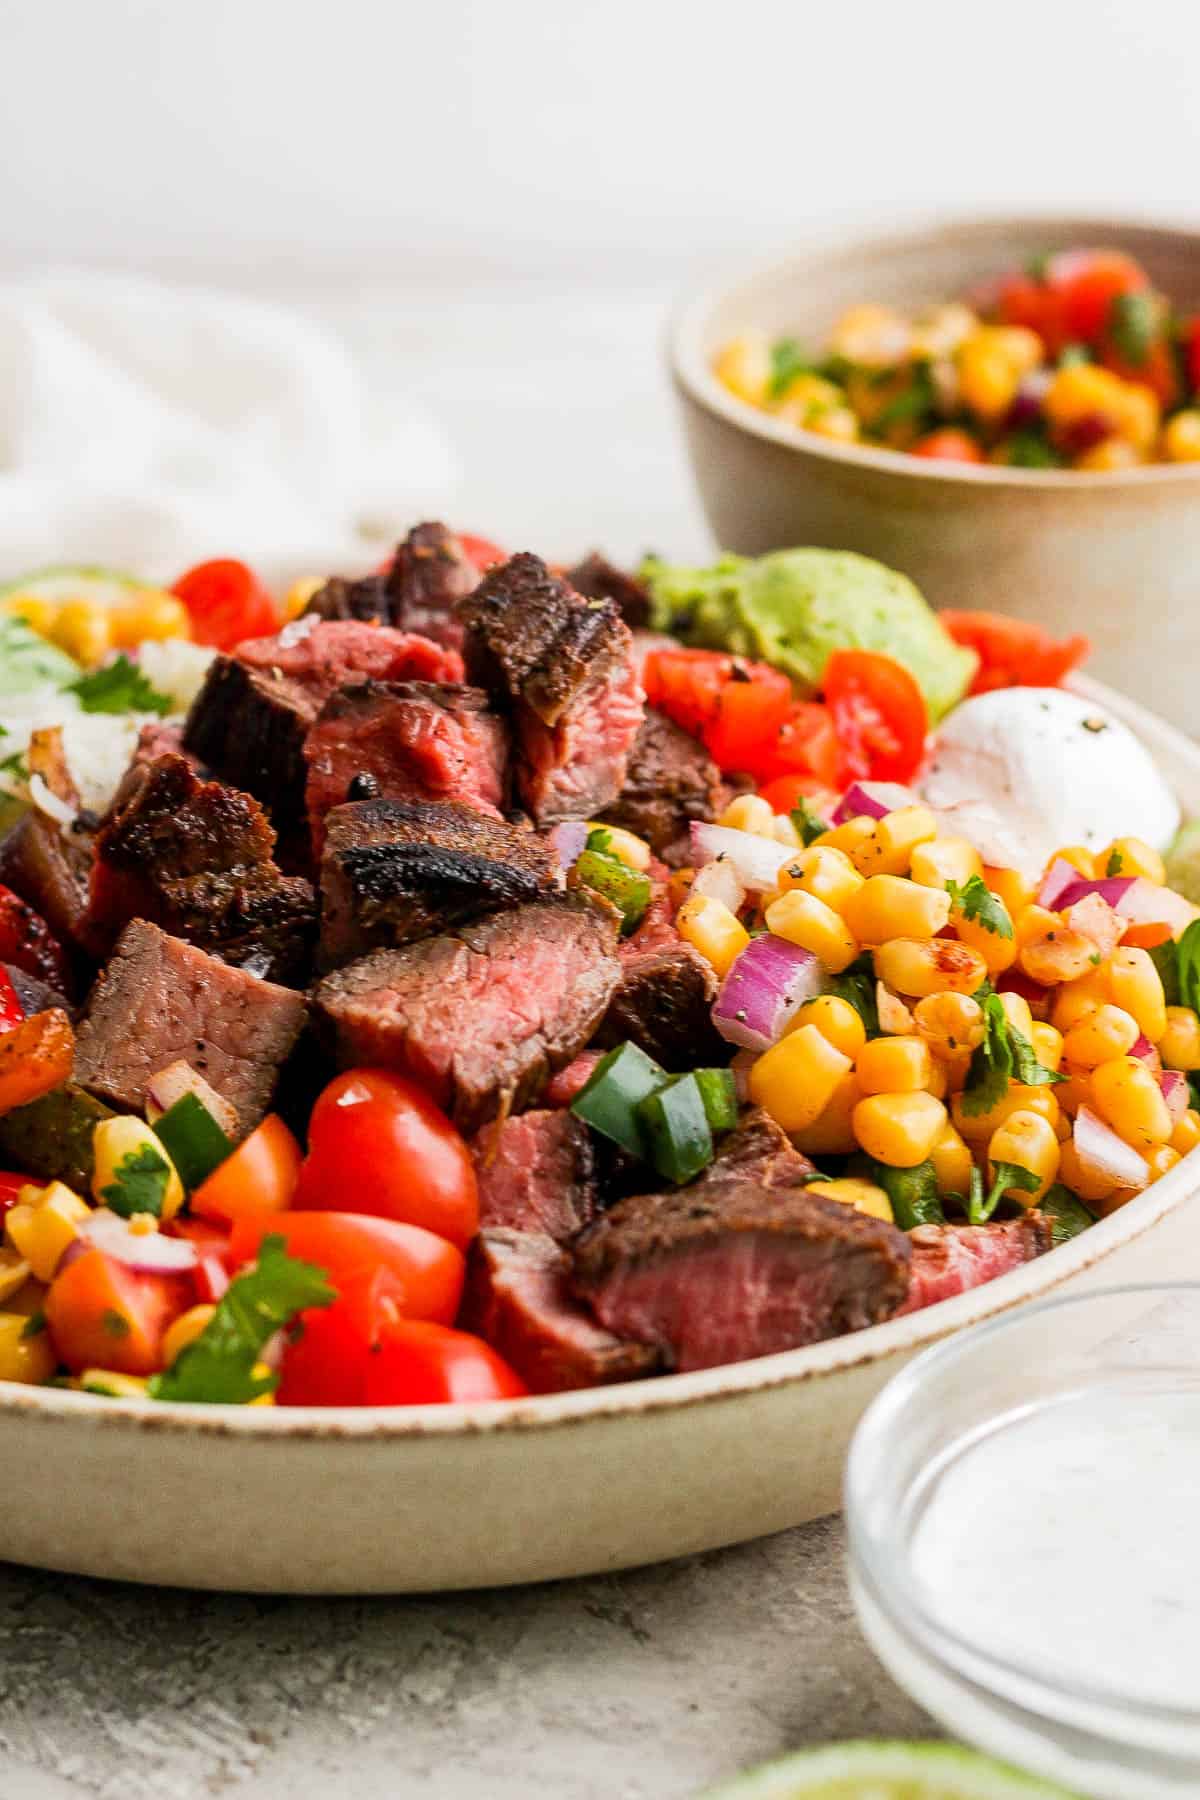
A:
(483, 1016)
(396, 870)
(562, 1088)
(598, 579)
(249, 720)
(949, 1259)
(731, 1269)
(563, 665)
(758, 1149)
(197, 858)
(536, 1172)
(413, 740)
(430, 575)
(671, 780)
(663, 1003)
(47, 868)
(160, 1001)
(365, 600)
(518, 1296)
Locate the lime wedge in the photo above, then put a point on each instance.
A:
(886, 1771)
(102, 587)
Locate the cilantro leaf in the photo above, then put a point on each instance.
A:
(1004, 1176)
(857, 985)
(218, 1366)
(119, 687)
(1066, 1212)
(1115, 863)
(1029, 449)
(975, 1196)
(1165, 958)
(34, 1325)
(1133, 321)
(15, 766)
(808, 823)
(913, 402)
(788, 360)
(140, 1184)
(1027, 1067)
(1187, 952)
(976, 901)
(991, 1063)
(913, 1194)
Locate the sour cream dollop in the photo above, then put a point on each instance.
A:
(1024, 771)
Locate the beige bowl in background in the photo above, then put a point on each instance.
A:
(1114, 555)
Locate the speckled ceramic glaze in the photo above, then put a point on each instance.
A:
(377, 1501)
(1114, 555)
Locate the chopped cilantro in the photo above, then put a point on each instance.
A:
(1187, 958)
(808, 823)
(1133, 322)
(1115, 863)
(1028, 449)
(1004, 1176)
(1066, 1212)
(1165, 958)
(856, 984)
(975, 1194)
(913, 402)
(119, 687)
(1026, 1066)
(218, 1366)
(34, 1325)
(974, 900)
(788, 360)
(15, 766)
(1003, 1056)
(140, 1183)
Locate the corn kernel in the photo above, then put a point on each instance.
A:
(823, 871)
(922, 966)
(1112, 453)
(1136, 985)
(863, 1196)
(113, 1142)
(846, 837)
(114, 1383)
(14, 1272)
(1139, 416)
(1186, 1134)
(1079, 857)
(633, 851)
(951, 1161)
(40, 1230)
(837, 422)
(1082, 1179)
(24, 1355)
(1075, 1091)
(1074, 1000)
(151, 615)
(998, 952)
(680, 886)
(84, 631)
(1057, 954)
(1130, 856)
(296, 600)
(938, 1082)
(945, 859)
(871, 336)
(939, 331)
(1027, 1140)
(804, 920)
(712, 930)
(805, 396)
(899, 1129)
(1047, 1044)
(1015, 1008)
(749, 812)
(988, 377)
(1103, 1034)
(1128, 1098)
(1011, 886)
(889, 906)
(1160, 1160)
(744, 367)
(836, 1020)
(977, 1128)
(1179, 1045)
(795, 1079)
(832, 1132)
(1181, 436)
(786, 833)
(1079, 391)
(894, 1065)
(185, 1330)
(889, 849)
(949, 1022)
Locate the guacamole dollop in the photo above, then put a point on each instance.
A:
(793, 608)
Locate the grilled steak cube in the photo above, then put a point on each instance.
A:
(160, 1001)
(481, 1017)
(758, 1149)
(249, 721)
(729, 1270)
(663, 1003)
(48, 869)
(518, 1296)
(949, 1259)
(563, 666)
(536, 1172)
(598, 579)
(671, 780)
(396, 870)
(430, 574)
(412, 740)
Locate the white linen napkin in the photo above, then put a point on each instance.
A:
(149, 426)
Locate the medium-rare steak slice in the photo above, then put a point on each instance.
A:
(598, 579)
(563, 665)
(949, 1259)
(197, 858)
(536, 1172)
(396, 870)
(160, 1001)
(663, 1004)
(249, 720)
(406, 740)
(671, 780)
(758, 1149)
(731, 1270)
(481, 1017)
(518, 1296)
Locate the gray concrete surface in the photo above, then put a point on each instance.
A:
(642, 1686)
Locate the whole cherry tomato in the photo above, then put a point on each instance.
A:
(226, 603)
(416, 1364)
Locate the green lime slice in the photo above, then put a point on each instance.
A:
(886, 1771)
(103, 587)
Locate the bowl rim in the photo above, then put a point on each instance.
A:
(690, 366)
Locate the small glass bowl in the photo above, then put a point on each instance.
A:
(1018, 1504)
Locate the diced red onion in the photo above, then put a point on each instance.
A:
(568, 841)
(764, 990)
(150, 1252)
(1174, 1085)
(1138, 901)
(1113, 888)
(756, 860)
(1143, 1049)
(872, 799)
(719, 881)
(1109, 1156)
(1059, 877)
(1095, 920)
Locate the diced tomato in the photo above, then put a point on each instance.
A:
(807, 744)
(1145, 937)
(787, 791)
(260, 1177)
(379, 1141)
(103, 1315)
(226, 602)
(879, 715)
(686, 684)
(35, 1056)
(11, 1010)
(11, 1183)
(950, 444)
(1023, 300)
(345, 1244)
(1086, 283)
(329, 1350)
(751, 710)
(211, 1238)
(417, 1364)
(28, 943)
(481, 551)
(1014, 653)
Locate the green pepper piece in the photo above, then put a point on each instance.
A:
(609, 1099)
(625, 888)
(677, 1129)
(718, 1090)
(1066, 1212)
(192, 1139)
(912, 1192)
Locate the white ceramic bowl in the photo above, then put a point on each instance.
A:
(305, 1500)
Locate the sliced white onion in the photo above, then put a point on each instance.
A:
(719, 880)
(764, 990)
(1101, 1151)
(297, 630)
(50, 804)
(151, 1252)
(1174, 1087)
(756, 860)
(872, 800)
(568, 842)
(1145, 903)
(1060, 876)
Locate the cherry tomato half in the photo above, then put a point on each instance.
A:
(807, 744)
(686, 684)
(260, 1176)
(346, 1245)
(949, 445)
(380, 1140)
(329, 1350)
(102, 1315)
(481, 551)
(1012, 652)
(751, 710)
(879, 715)
(1086, 283)
(416, 1364)
(226, 603)
(787, 791)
